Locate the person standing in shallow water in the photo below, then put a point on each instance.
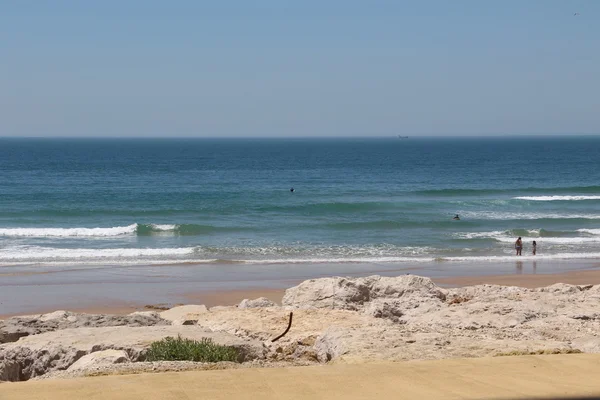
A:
(519, 246)
(534, 250)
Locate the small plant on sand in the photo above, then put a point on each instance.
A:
(180, 349)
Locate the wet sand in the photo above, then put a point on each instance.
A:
(208, 298)
(118, 289)
(587, 277)
(525, 377)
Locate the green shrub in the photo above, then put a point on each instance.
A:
(205, 350)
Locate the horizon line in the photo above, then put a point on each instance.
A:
(391, 136)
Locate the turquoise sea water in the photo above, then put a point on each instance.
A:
(73, 202)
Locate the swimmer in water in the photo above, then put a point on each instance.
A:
(292, 190)
(456, 217)
(519, 246)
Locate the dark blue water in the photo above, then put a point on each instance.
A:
(127, 201)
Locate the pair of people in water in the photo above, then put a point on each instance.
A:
(519, 246)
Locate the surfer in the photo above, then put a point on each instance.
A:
(456, 218)
(519, 246)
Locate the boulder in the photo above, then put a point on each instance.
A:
(333, 293)
(56, 315)
(100, 358)
(177, 315)
(256, 303)
(392, 294)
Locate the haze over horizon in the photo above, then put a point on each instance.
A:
(283, 69)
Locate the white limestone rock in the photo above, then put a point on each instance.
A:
(404, 292)
(256, 303)
(178, 314)
(100, 358)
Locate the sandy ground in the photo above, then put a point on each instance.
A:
(548, 377)
(584, 277)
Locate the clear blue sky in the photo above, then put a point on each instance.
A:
(299, 68)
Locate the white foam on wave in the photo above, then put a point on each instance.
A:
(38, 253)
(557, 198)
(474, 260)
(479, 235)
(164, 227)
(506, 216)
(512, 258)
(557, 240)
(69, 232)
(590, 231)
(533, 233)
(82, 232)
(331, 252)
(502, 236)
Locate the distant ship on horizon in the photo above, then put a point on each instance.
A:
(402, 137)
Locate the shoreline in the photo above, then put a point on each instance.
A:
(230, 297)
(208, 298)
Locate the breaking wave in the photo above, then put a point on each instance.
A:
(69, 232)
(540, 236)
(557, 198)
(133, 229)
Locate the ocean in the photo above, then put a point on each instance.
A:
(82, 202)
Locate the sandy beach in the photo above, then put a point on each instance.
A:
(543, 377)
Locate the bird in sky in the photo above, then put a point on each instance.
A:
(576, 14)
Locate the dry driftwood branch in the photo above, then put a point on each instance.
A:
(286, 331)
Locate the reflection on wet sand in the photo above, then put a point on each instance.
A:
(519, 267)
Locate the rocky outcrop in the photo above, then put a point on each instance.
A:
(38, 354)
(380, 297)
(332, 293)
(409, 317)
(256, 303)
(16, 327)
(100, 358)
